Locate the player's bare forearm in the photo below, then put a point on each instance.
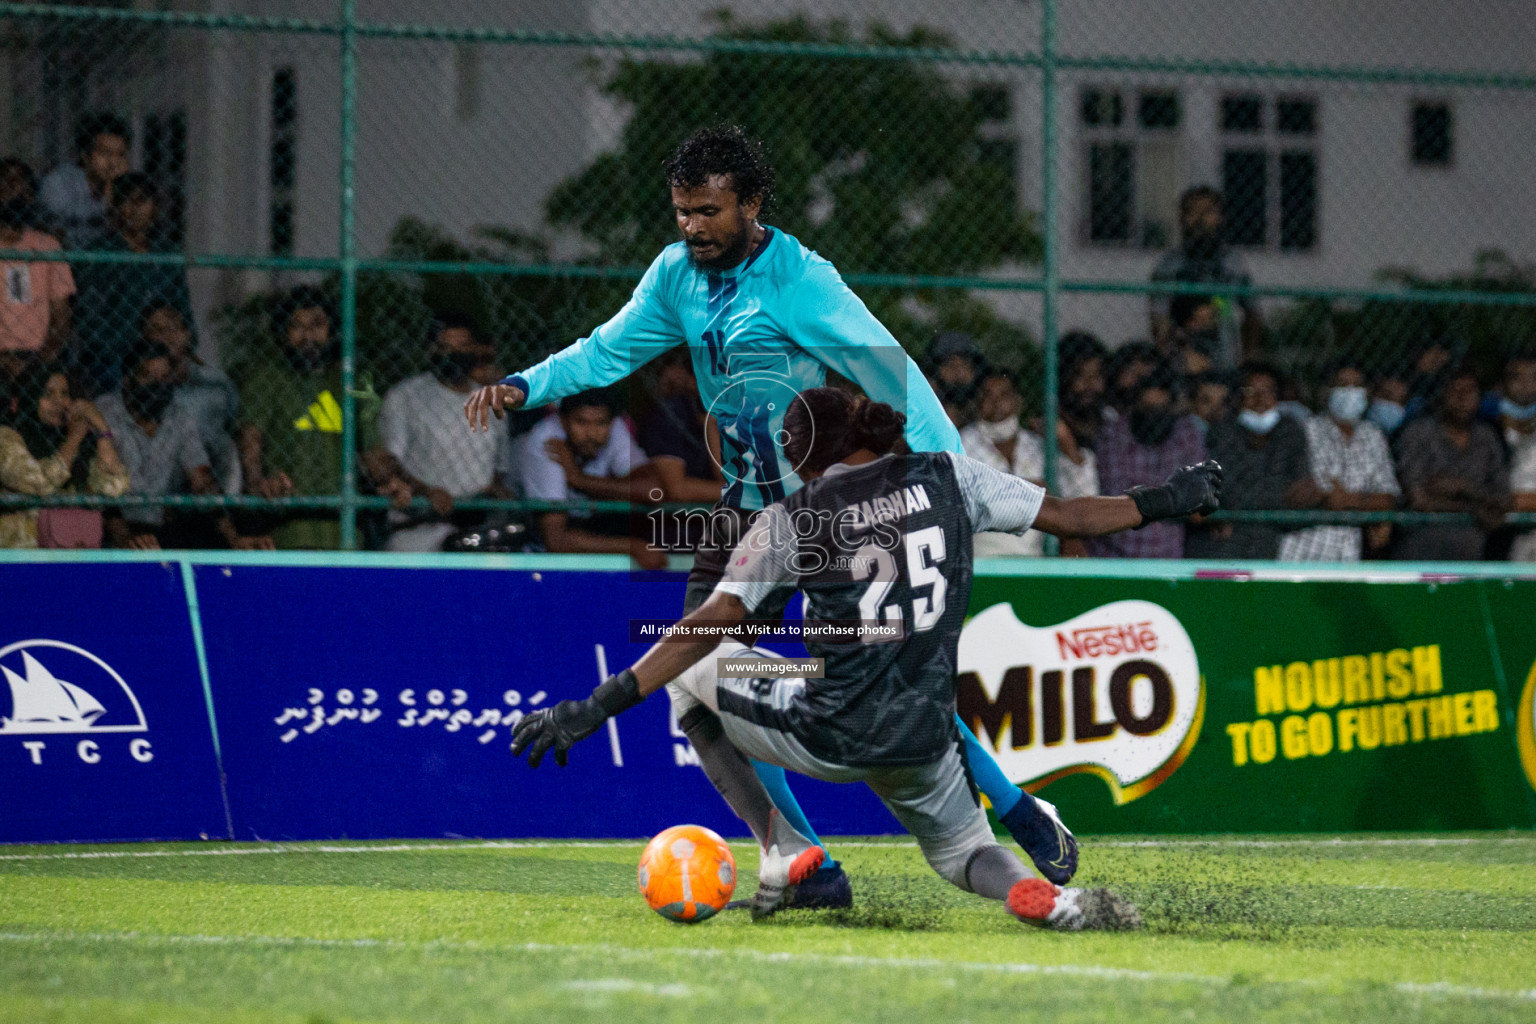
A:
(564, 539)
(1086, 517)
(669, 659)
(1193, 490)
(677, 485)
(607, 488)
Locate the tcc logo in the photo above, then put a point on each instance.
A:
(57, 688)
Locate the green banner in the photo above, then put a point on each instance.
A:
(1229, 705)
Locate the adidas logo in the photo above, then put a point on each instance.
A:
(324, 415)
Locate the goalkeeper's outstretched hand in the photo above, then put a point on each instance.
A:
(1193, 490)
(557, 728)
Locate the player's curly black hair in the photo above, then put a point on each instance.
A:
(727, 149)
(826, 425)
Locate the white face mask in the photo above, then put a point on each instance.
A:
(998, 431)
(1347, 404)
(1259, 422)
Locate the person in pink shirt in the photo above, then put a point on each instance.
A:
(34, 296)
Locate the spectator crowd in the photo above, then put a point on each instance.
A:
(103, 392)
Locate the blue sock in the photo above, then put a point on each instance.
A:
(772, 777)
(1005, 796)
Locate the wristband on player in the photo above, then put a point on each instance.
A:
(618, 693)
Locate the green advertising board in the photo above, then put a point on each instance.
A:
(1275, 701)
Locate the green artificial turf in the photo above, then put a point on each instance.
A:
(1363, 929)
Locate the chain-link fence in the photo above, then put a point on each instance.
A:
(274, 249)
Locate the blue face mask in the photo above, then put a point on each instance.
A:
(1347, 404)
(1516, 412)
(1259, 422)
(1386, 415)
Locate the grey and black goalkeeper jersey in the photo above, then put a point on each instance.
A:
(887, 542)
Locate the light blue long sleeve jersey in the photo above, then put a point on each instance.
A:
(758, 335)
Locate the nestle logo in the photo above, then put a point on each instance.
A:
(1107, 641)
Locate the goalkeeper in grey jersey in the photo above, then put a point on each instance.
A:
(881, 546)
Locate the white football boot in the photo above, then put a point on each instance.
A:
(787, 860)
(1071, 910)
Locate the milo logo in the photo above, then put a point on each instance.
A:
(1115, 692)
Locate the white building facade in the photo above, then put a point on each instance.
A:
(1333, 177)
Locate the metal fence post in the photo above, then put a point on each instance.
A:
(348, 254)
(1052, 272)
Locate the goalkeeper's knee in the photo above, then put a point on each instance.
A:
(952, 855)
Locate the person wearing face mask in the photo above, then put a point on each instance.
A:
(1196, 337)
(201, 387)
(1517, 417)
(290, 440)
(1351, 471)
(35, 308)
(1081, 358)
(1265, 457)
(158, 441)
(423, 449)
(953, 367)
(52, 442)
(1451, 461)
(1210, 399)
(997, 440)
(1433, 363)
(1130, 364)
(113, 296)
(1203, 257)
(1389, 402)
(1151, 441)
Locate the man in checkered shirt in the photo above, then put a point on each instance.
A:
(1351, 469)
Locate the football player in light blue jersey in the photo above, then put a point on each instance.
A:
(764, 319)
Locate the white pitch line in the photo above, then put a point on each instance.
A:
(1438, 988)
(1313, 843)
(575, 844)
(241, 851)
(297, 848)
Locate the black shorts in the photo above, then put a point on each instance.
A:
(727, 526)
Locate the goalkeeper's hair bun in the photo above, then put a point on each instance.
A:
(877, 426)
(826, 425)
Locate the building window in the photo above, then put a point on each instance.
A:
(1431, 123)
(282, 161)
(1269, 170)
(1132, 164)
(997, 146)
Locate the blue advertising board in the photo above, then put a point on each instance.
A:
(104, 724)
(299, 696)
(378, 703)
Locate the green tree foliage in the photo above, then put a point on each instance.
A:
(881, 166)
(1388, 333)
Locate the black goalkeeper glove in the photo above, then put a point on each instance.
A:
(558, 728)
(1191, 490)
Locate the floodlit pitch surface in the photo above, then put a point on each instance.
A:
(1254, 928)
